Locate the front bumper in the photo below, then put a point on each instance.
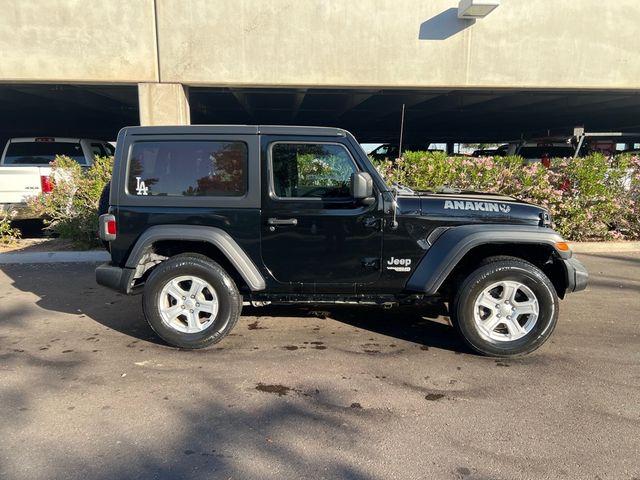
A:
(577, 275)
(115, 278)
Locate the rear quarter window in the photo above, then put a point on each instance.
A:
(188, 168)
(42, 153)
(100, 149)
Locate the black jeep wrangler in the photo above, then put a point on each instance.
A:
(204, 218)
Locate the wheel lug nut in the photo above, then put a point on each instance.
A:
(193, 296)
(508, 317)
(191, 311)
(184, 298)
(183, 307)
(197, 304)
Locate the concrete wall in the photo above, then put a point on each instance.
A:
(379, 43)
(77, 41)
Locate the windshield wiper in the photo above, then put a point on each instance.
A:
(401, 189)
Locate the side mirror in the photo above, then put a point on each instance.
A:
(362, 187)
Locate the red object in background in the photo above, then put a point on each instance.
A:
(546, 160)
(565, 185)
(46, 184)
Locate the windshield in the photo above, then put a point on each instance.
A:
(42, 153)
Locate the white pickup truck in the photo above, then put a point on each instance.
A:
(25, 170)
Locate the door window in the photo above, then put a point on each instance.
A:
(311, 170)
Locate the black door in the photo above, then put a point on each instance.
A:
(313, 232)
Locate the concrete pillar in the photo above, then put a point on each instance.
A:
(164, 104)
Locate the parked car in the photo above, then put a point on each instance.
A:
(541, 150)
(487, 152)
(25, 170)
(204, 218)
(389, 151)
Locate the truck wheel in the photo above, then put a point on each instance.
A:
(505, 308)
(191, 302)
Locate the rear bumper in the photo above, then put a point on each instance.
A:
(577, 275)
(115, 278)
(23, 212)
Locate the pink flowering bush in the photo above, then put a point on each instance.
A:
(590, 198)
(8, 233)
(71, 209)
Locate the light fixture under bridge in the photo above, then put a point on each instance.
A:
(472, 9)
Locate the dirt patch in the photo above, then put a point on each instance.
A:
(279, 390)
(434, 397)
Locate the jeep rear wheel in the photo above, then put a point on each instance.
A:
(507, 307)
(191, 302)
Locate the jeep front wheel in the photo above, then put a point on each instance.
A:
(191, 302)
(507, 307)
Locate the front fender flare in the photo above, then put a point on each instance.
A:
(215, 236)
(450, 247)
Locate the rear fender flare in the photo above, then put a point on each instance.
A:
(215, 236)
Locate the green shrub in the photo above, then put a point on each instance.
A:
(590, 198)
(8, 234)
(71, 209)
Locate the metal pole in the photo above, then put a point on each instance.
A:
(401, 132)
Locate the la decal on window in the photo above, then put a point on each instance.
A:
(141, 188)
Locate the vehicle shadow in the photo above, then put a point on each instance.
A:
(71, 289)
(423, 325)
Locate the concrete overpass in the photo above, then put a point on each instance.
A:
(89, 67)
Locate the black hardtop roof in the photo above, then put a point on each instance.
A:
(235, 130)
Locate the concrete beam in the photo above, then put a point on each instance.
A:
(399, 44)
(164, 104)
(539, 44)
(77, 41)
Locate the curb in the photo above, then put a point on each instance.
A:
(55, 257)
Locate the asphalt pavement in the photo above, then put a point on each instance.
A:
(88, 392)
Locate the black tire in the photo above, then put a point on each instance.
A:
(516, 271)
(229, 301)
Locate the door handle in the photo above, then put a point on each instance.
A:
(282, 221)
